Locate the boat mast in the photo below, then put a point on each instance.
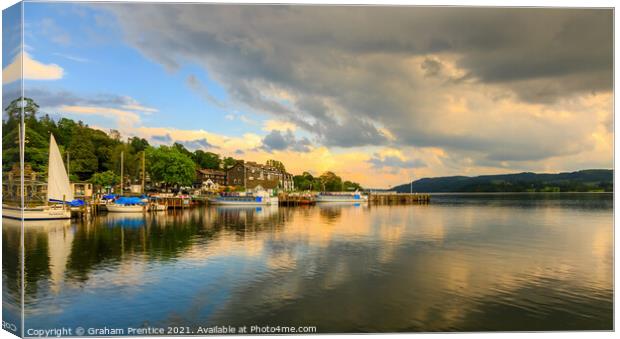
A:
(143, 172)
(68, 162)
(122, 173)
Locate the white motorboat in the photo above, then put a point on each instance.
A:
(341, 197)
(247, 199)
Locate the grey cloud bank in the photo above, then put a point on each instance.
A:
(396, 76)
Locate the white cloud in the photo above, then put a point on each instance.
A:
(33, 69)
(125, 119)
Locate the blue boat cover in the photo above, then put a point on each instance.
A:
(129, 201)
(77, 203)
(109, 196)
(72, 203)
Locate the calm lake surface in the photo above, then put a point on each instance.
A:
(460, 263)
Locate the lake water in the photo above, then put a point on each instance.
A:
(460, 263)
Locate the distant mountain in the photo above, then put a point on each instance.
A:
(592, 180)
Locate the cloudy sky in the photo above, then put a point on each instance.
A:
(379, 95)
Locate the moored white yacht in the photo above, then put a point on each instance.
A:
(59, 193)
(127, 205)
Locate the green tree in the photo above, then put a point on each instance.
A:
(170, 166)
(228, 162)
(351, 186)
(207, 159)
(14, 108)
(83, 161)
(10, 134)
(36, 151)
(138, 144)
(306, 182)
(179, 147)
(276, 164)
(331, 182)
(104, 150)
(66, 130)
(107, 178)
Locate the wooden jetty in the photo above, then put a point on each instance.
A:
(296, 199)
(176, 202)
(398, 198)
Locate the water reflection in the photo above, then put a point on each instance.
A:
(444, 266)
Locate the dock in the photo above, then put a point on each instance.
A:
(386, 198)
(95, 206)
(296, 199)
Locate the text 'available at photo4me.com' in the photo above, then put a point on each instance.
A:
(169, 330)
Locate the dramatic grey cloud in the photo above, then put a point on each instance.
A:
(504, 84)
(278, 141)
(47, 98)
(395, 162)
(166, 138)
(193, 145)
(10, 92)
(431, 67)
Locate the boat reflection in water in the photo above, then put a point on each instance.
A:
(458, 265)
(251, 212)
(128, 219)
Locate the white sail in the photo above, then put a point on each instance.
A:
(58, 187)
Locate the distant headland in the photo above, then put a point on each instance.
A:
(590, 180)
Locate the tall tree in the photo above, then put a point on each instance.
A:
(170, 166)
(305, 182)
(83, 161)
(331, 182)
(107, 178)
(179, 147)
(276, 164)
(138, 144)
(207, 159)
(228, 162)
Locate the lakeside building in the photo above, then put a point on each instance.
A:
(245, 174)
(210, 179)
(215, 176)
(82, 190)
(35, 188)
(251, 174)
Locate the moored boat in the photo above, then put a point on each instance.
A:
(59, 193)
(249, 199)
(49, 212)
(341, 197)
(127, 205)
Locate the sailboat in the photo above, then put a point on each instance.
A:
(59, 192)
(126, 204)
